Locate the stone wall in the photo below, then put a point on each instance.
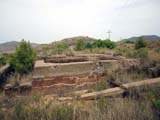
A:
(55, 84)
(22, 89)
(38, 81)
(63, 84)
(66, 59)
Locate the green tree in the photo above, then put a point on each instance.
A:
(140, 43)
(104, 44)
(88, 45)
(80, 45)
(24, 57)
(109, 44)
(2, 60)
(59, 48)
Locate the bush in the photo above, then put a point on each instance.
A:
(59, 48)
(80, 45)
(63, 112)
(103, 44)
(158, 50)
(24, 57)
(156, 104)
(154, 96)
(88, 45)
(2, 60)
(141, 53)
(140, 43)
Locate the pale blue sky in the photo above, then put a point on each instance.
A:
(44, 21)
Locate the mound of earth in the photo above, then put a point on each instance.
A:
(73, 40)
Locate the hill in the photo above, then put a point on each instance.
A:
(9, 47)
(73, 40)
(145, 37)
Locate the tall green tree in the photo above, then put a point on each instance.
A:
(24, 57)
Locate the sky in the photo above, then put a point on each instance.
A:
(45, 21)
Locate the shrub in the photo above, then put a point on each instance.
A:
(156, 104)
(103, 44)
(24, 57)
(63, 112)
(2, 60)
(100, 86)
(88, 45)
(158, 50)
(140, 43)
(154, 96)
(141, 53)
(59, 48)
(80, 45)
(109, 44)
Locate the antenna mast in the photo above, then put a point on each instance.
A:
(109, 34)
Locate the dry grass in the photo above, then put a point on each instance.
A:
(96, 51)
(102, 109)
(154, 56)
(15, 79)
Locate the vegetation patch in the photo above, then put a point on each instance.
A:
(24, 58)
(80, 45)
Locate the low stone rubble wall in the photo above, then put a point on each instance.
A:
(54, 84)
(22, 89)
(52, 81)
(41, 81)
(66, 59)
(59, 89)
(82, 58)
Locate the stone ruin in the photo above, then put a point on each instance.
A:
(53, 84)
(65, 84)
(79, 58)
(66, 59)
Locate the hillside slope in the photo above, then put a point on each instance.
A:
(145, 37)
(9, 47)
(73, 40)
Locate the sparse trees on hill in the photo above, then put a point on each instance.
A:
(24, 57)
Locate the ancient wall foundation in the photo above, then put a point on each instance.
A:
(54, 84)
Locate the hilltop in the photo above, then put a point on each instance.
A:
(73, 40)
(145, 37)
